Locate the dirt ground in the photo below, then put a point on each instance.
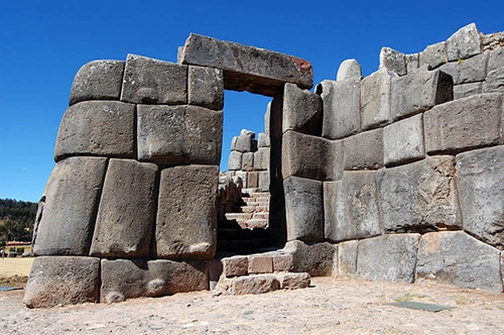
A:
(15, 266)
(329, 306)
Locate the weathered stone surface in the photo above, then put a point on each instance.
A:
(481, 185)
(302, 110)
(375, 99)
(433, 55)
(420, 196)
(420, 91)
(467, 90)
(347, 258)
(255, 284)
(100, 128)
(316, 259)
(364, 150)
(98, 80)
(303, 207)
(252, 179)
(311, 157)
(464, 43)
(260, 264)
(170, 135)
(341, 107)
(458, 259)
(293, 281)
(403, 141)
(60, 280)
(122, 279)
(244, 141)
(264, 180)
(233, 143)
(472, 69)
(495, 72)
(206, 87)
(267, 119)
(235, 266)
(235, 160)
(349, 69)
(70, 198)
(412, 62)
(282, 262)
(389, 257)
(393, 60)
(351, 207)
(186, 219)
(464, 124)
(262, 158)
(152, 81)
(247, 161)
(263, 140)
(248, 68)
(126, 213)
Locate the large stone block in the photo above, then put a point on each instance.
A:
(262, 159)
(301, 110)
(393, 60)
(122, 279)
(247, 68)
(375, 99)
(255, 284)
(420, 196)
(244, 142)
(495, 72)
(389, 257)
(403, 141)
(349, 69)
(60, 280)
(206, 87)
(347, 258)
(187, 219)
(472, 69)
(363, 150)
(311, 157)
(481, 185)
(351, 207)
(99, 128)
(70, 201)
(458, 259)
(464, 124)
(316, 259)
(264, 180)
(235, 161)
(248, 161)
(467, 90)
(341, 107)
(170, 135)
(152, 81)
(464, 43)
(303, 207)
(433, 55)
(263, 140)
(126, 213)
(98, 80)
(412, 62)
(420, 91)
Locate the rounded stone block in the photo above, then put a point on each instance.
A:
(98, 128)
(97, 80)
(349, 69)
(393, 60)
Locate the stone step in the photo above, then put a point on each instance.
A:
(262, 283)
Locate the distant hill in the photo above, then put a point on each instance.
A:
(16, 220)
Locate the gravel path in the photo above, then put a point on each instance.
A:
(330, 306)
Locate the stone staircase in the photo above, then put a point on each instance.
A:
(254, 213)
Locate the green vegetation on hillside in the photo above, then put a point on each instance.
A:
(16, 220)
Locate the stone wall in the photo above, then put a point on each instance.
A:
(407, 165)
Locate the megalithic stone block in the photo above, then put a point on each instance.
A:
(186, 218)
(122, 278)
(420, 196)
(170, 135)
(316, 259)
(98, 128)
(376, 98)
(235, 160)
(464, 43)
(419, 91)
(393, 60)
(403, 141)
(262, 158)
(152, 81)
(98, 80)
(464, 124)
(244, 142)
(495, 72)
(71, 199)
(433, 55)
(456, 258)
(467, 90)
(303, 207)
(206, 87)
(349, 69)
(126, 213)
(363, 150)
(347, 258)
(301, 110)
(341, 107)
(351, 207)
(481, 185)
(62, 280)
(247, 68)
(389, 257)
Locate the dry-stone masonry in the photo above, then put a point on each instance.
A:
(394, 176)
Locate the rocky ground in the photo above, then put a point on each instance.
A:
(329, 306)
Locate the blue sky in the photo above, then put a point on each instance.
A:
(44, 43)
